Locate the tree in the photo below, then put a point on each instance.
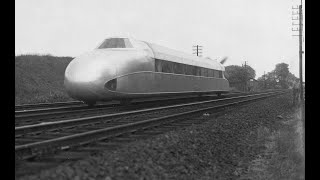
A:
(291, 79)
(268, 81)
(282, 72)
(239, 75)
(279, 76)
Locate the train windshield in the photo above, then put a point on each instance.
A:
(116, 43)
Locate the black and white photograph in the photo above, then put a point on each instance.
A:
(159, 89)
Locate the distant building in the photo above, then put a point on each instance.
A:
(238, 86)
(252, 85)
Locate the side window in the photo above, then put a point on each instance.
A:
(201, 71)
(194, 70)
(204, 72)
(198, 71)
(184, 68)
(210, 72)
(167, 67)
(158, 65)
(216, 73)
(178, 68)
(189, 70)
(175, 67)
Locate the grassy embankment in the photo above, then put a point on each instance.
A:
(284, 157)
(39, 78)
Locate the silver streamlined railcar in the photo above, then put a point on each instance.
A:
(123, 68)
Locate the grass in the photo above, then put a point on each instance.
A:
(39, 78)
(284, 156)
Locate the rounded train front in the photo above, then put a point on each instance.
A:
(91, 77)
(84, 76)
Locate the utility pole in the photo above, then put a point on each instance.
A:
(245, 84)
(300, 29)
(264, 79)
(198, 50)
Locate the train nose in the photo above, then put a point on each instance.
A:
(85, 78)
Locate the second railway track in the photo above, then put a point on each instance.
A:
(59, 113)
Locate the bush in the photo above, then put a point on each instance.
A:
(39, 78)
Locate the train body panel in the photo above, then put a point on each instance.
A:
(127, 68)
(155, 82)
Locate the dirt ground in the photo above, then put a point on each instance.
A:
(264, 140)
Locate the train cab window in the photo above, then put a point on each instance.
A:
(116, 43)
(220, 74)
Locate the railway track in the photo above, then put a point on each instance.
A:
(46, 145)
(29, 117)
(34, 139)
(27, 108)
(46, 105)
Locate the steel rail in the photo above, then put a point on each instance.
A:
(59, 110)
(100, 134)
(25, 106)
(44, 109)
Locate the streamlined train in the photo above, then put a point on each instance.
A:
(123, 68)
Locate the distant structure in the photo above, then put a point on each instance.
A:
(300, 35)
(249, 86)
(252, 85)
(198, 50)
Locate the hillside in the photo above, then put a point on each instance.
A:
(39, 78)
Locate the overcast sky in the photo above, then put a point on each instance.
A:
(256, 31)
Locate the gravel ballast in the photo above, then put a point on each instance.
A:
(225, 147)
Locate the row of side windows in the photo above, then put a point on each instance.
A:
(178, 68)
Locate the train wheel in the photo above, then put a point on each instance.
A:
(90, 103)
(125, 102)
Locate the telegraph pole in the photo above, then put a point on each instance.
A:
(198, 50)
(300, 29)
(245, 84)
(264, 77)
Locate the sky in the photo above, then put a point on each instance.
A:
(256, 31)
